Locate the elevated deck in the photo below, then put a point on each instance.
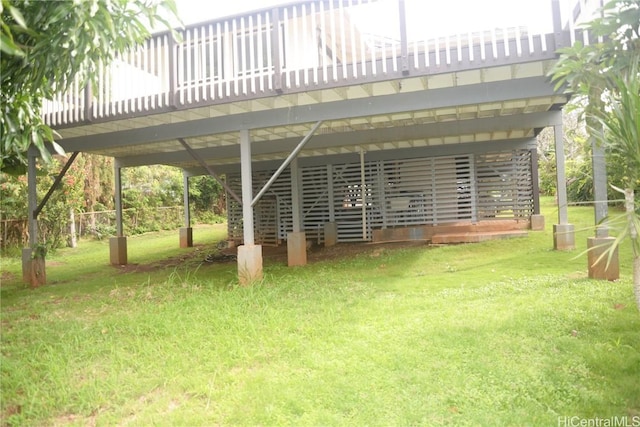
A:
(377, 76)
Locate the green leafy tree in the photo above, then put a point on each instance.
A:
(44, 45)
(607, 76)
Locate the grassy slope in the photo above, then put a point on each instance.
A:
(499, 333)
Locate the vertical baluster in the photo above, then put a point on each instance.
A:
(383, 54)
(231, 44)
(152, 91)
(334, 48)
(253, 34)
(209, 70)
(58, 107)
(505, 38)
(46, 109)
(315, 34)
(129, 96)
(394, 54)
(264, 70)
(203, 48)
(437, 50)
(286, 43)
(79, 100)
(373, 54)
(295, 44)
(117, 97)
(531, 45)
(66, 107)
(427, 54)
(161, 64)
(483, 55)
(198, 62)
(447, 46)
(246, 71)
(220, 77)
(494, 43)
(271, 69)
(415, 53)
(190, 77)
(305, 34)
(146, 52)
(323, 47)
(99, 101)
(343, 41)
(113, 101)
(459, 46)
(363, 51)
(543, 41)
(137, 72)
(518, 42)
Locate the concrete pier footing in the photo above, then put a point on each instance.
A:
(118, 250)
(564, 237)
(330, 234)
(186, 237)
(296, 248)
(537, 222)
(600, 266)
(249, 264)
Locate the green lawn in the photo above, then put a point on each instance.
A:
(497, 333)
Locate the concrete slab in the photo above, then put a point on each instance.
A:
(118, 250)
(296, 248)
(249, 264)
(564, 237)
(186, 237)
(599, 265)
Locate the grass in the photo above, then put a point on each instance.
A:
(497, 333)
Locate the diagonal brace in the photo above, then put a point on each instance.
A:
(209, 169)
(55, 184)
(286, 162)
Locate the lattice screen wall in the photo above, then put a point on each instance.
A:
(397, 193)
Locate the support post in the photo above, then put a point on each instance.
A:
(536, 220)
(28, 264)
(118, 244)
(186, 232)
(296, 240)
(563, 232)
(249, 254)
(363, 195)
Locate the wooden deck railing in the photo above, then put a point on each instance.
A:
(294, 48)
